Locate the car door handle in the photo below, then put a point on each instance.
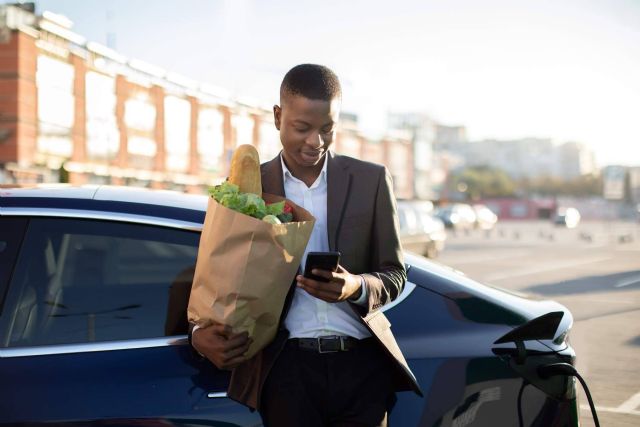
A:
(217, 395)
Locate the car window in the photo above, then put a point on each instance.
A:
(402, 218)
(81, 281)
(11, 232)
(411, 220)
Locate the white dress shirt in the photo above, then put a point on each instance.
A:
(308, 316)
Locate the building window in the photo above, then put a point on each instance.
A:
(243, 129)
(270, 145)
(56, 106)
(177, 131)
(210, 139)
(103, 137)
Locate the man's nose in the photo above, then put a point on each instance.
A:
(314, 140)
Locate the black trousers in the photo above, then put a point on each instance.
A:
(310, 389)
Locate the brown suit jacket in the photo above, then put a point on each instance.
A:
(362, 224)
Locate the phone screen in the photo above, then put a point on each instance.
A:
(323, 261)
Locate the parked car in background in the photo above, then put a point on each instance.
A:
(458, 216)
(420, 231)
(485, 218)
(567, 217)
(94, 287)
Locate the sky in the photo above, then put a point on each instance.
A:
(566, 70)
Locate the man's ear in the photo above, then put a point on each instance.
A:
(277, 113)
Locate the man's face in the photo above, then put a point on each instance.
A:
(307, 129)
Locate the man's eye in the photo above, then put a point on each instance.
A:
(301, 129)
(327, 130)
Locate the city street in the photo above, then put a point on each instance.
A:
(594, 270)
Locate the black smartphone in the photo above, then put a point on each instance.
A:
(322, 261)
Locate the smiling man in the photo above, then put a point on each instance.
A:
(334, 361)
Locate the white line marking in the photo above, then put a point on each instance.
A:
(606, 300)
(598, 246)
(627, 282)
(473, 259)
(544, 268)
(631, 404)
(606, 409)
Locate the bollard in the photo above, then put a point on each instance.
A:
(625, 238)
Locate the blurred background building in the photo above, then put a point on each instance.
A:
(523, 158)
(76, 111)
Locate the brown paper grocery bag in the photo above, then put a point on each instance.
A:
(244, 269)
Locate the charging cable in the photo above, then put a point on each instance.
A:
(554, 369)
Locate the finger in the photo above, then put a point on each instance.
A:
(329, 275)
(313, 286)
(305, 281)
(239, 351)
(237, 341)
(221, 329)
(322, 293)
(239, 335)
(327, 291)
(234, 362)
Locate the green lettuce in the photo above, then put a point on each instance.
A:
(229, 195)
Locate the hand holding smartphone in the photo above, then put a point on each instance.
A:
(322, 261)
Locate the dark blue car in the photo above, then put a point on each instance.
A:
(94, 285)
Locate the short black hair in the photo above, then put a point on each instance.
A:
(311, 81)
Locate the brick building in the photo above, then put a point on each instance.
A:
(75, 110)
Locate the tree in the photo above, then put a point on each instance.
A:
(482, 182)
(583, 186)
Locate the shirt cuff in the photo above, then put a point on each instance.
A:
(363, 298)
(195, 328)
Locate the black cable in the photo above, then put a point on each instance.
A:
(524, 384)
(591, 404)
(553, 369)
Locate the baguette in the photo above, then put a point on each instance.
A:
(245, 169)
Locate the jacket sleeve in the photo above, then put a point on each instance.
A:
(386, 282)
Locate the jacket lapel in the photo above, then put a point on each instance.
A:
(338, 186)
(271, 173)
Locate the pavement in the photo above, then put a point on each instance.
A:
(594, 270)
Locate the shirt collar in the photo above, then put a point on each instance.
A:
(286, 173)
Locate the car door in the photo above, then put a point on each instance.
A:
(93, 327)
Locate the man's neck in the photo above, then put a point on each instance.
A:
(308, 175)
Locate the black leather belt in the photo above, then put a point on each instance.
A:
(328, 344)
